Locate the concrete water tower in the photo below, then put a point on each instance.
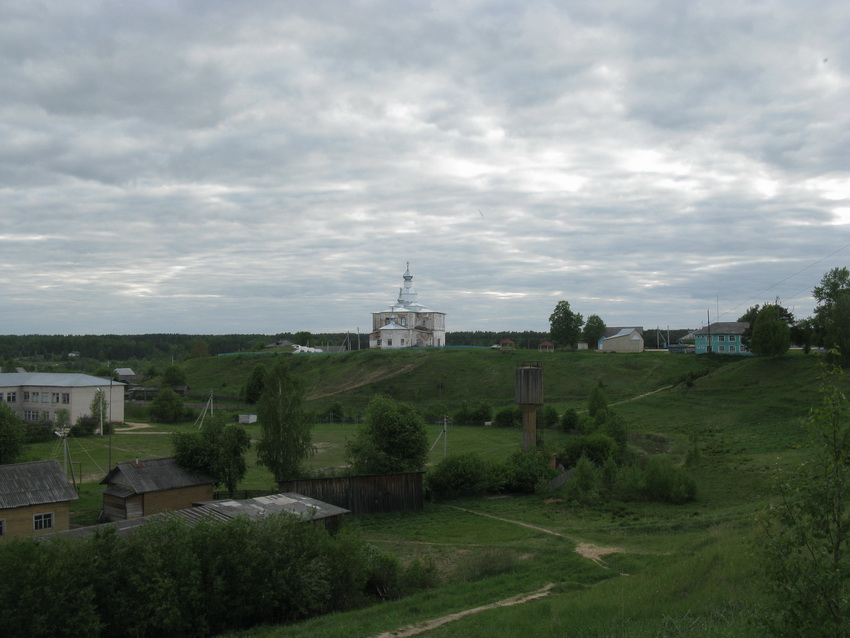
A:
(529, 395)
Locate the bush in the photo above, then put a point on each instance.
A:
(462, 474)
(38, 432)
(86, 425)
(548, 417)
(596, 447)
(526, 472)
(569, 421)
(656, 480)
(585, 482)
(468, 414)
(510, 416)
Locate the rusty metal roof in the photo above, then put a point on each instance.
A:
(23, 484)
(304, 507)
(153, 475)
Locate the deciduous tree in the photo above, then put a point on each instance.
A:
(832, 314)
(806, 556)
(11, 435)
(218, 450)
(392, 439)
(286, 440)
(594, 330)
(167, 406)
(771, 334)
(565, 325)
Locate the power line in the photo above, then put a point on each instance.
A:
(811, 265)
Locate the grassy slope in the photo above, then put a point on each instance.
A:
(683, 570)
(690, 568)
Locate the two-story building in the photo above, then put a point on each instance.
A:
(36, 396)
(722, 337)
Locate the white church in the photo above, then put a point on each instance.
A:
(407, 323)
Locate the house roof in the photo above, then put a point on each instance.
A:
(304, 507)
(619, 331)
(52, 379)
(724, 328)
(23, 484)
(125, 372)
(151, 475)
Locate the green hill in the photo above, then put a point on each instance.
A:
(452, 376)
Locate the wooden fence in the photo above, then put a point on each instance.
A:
(364, 494)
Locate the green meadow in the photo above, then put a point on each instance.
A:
(612, 569)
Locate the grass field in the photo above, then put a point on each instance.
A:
(665, 570)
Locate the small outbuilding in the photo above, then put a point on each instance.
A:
(628, 339)
(546, 346)
(141, 488)
(34, 499)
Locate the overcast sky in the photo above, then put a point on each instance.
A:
(245, 167)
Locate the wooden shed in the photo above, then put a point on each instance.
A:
(141, 488)
(34, 499)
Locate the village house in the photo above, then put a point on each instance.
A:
(722, 337)
(407, 323)
(36, 396)
(141, 488)
(34, 499)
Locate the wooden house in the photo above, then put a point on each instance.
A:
(34, 499)
(141, 488)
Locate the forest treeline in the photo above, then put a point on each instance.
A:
(180, 346)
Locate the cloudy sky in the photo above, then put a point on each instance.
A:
(245, 167)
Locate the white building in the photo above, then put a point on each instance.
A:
(407, 323)
(36, 396)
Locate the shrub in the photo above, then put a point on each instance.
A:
(526, 472)
(569, 421)
(462, 474)
(509, 417)
(596, 447)
(468, 414)
(585, 481)
(38, 432)
(547, 417)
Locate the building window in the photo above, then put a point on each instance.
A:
(42, 521)
(66, 398)
(45, 397)
(45, 416)
(732, 337)
(2, 528)
(404, 322)
(402, 341)
(721, 337)
(721, 348)
(55, 397)
(731, 348)
(31, 415)
(35, 397)
(12, 397)
(389, 342)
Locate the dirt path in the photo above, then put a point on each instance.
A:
(640, 396)
(587, 550)
(419, 628)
